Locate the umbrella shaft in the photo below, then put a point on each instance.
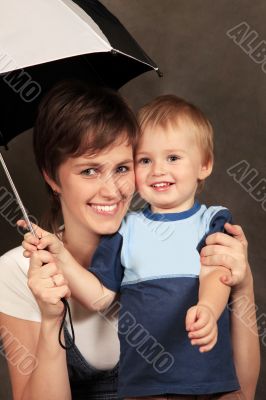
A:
(13, 187)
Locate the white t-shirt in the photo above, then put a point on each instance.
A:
(96, 338)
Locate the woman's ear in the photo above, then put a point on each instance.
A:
(206, 170)
(53, 185)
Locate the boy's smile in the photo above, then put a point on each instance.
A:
(168, 166)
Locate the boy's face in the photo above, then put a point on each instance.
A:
(168, 165)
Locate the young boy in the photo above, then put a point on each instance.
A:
(168, 303)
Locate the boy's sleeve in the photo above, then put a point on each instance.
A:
(106, 262)
(215, 223)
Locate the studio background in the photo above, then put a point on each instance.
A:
(189, 41)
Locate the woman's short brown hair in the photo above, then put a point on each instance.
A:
(74, 119)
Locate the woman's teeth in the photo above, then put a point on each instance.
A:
(105, 209)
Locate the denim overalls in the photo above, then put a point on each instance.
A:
(88, 383)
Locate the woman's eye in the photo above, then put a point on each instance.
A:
(89, 172)
(173, 158)
(144, 161)
(122, 169)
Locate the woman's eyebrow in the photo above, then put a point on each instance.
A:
(89, 163)
(130, 160)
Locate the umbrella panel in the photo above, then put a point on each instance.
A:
(19, 101)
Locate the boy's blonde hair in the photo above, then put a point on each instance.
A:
(168, 110)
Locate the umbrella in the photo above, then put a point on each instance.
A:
(45, 41)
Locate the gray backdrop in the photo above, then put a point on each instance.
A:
(201, 62)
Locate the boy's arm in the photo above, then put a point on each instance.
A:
(212, 292)
(84, 285)
(201, 320)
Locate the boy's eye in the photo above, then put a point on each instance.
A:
(144, 161)
(122, 169)
(89, 172)
(173, 158)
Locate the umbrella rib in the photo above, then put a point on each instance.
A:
(137, 59)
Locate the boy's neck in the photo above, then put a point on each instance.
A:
(184, 206)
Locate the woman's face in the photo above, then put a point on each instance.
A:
(95, 190)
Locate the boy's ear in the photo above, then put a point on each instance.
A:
(53, 185)
(206, 170)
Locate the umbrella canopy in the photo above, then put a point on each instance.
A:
(45, 41)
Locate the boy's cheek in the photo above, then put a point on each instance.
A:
(127, 186)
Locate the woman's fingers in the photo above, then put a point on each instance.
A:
(27, 254)
(223, 260)
(237, 232)
(38, 231)
(38, 258)
(59, 280)
(223, 239)
(215, 249)
(54, 295)
(27, 246)
(48, 270)
(50, 241)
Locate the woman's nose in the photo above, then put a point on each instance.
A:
(109, 188)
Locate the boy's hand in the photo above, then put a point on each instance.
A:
(45, 240)
(202, 327)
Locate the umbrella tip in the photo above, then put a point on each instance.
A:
(159, 73)
(2, 141)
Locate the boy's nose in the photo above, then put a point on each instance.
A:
(158, 169)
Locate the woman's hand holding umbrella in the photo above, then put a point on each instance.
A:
(47, 284)
(46, 280)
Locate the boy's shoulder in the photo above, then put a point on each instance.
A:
(211, 220)
(208, 214)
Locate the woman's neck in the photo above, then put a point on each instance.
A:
(81, 244)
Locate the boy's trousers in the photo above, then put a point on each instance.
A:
(237, 395)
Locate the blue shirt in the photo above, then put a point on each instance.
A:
(154, 262)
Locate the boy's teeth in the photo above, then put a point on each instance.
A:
(105, 208)
(161, 184)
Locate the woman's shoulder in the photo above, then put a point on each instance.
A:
(13, 262)
(16, 299)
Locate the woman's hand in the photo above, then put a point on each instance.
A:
(44, 240)
(229, 252)
(48, 284)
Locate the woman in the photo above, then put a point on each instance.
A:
(83, 143)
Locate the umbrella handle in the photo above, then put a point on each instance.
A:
(13, 187)
(30, 227)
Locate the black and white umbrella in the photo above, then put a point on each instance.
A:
(44, 41)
